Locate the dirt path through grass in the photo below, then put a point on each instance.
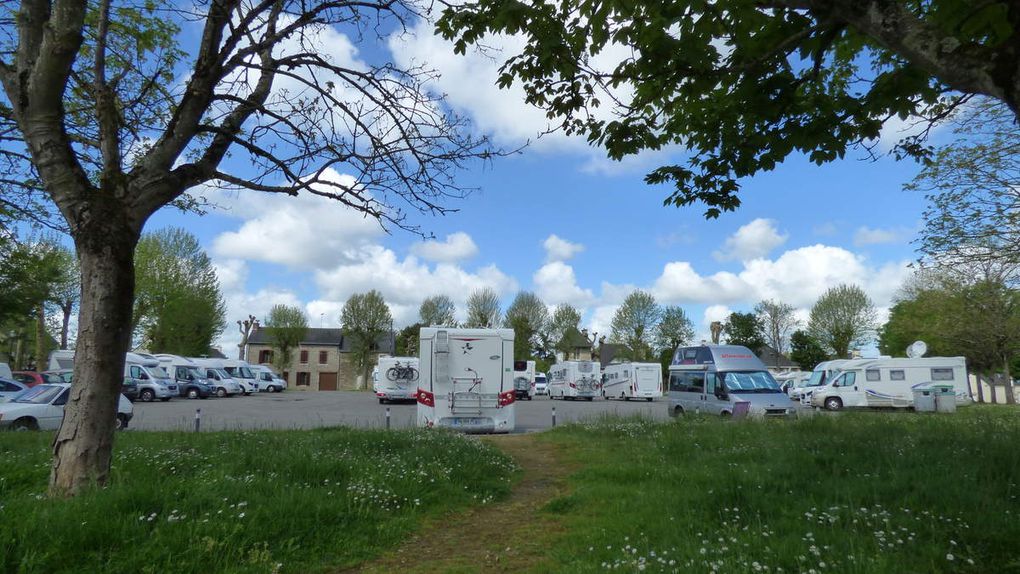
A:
(509, 536)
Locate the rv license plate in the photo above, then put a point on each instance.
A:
(463, 422)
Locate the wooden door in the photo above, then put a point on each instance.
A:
(327, 381)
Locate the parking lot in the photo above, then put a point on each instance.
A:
(312, 409)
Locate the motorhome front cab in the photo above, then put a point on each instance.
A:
(242, 372)
(466, 379)
(889, 383)
(153, 381)
(720, 379)
(216, 372)
(632, 381)
(396, 378)
(821, 376)
(575, 379)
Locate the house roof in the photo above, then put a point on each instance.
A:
(318, 337)
(773, 358)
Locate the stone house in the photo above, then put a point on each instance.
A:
(323, 361)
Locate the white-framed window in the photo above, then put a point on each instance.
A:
(872, 375)
(897, 375)
(942, 374)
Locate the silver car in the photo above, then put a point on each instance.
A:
(10, 389)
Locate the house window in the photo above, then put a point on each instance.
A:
(941, 374)
(304, 360)
(304, 379)
(323, 357)
(265, 356)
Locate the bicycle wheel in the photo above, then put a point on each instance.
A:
(392, 374)
(412, 374)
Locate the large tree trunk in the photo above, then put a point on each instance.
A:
(83, 446)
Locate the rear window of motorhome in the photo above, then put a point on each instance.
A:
(873, 375)
(941, 374)
(897, 375)
(584, 367)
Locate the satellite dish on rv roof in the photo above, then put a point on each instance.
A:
(917, 349)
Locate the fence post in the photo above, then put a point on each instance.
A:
(198, 419)
(387, 418)
(554, 416)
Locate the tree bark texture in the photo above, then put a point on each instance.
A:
(66, 309)
(83, 446)
(40, 336)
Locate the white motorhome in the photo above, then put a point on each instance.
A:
(466, 379)
(61, 359)
(216, 372)
(242, 372)
(524, 379)
(395, 378)
(821, 376)
(189, 376)
(885, 383)
(268, 379)
(632, 381)
(575, 379)
(152, 380)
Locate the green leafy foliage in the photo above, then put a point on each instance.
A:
(563, 332)
(740, 87)
(483, 309)
(806, 351)
(365, 318)
(675, 328)
(528, 317)
(843, 316)
(287, 327)
(634, 325)
(178, 305)
(744, 329)
(437, 311)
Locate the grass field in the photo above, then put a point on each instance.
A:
(865, 492)
(290, 501)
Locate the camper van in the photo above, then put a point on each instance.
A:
(632, 381)
(723, 379)
(242, 372)
(889, 383)
(152, 380)
(575, 379)
(821, 376)
(541, 384)
(60, 360)
(268, 379)
(217, 374)
(395, 379)
(524, 379)
(193, 381)
(466, 379)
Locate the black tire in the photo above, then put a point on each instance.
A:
(165, 399)
(221, 392)
(413, 372)
(677, 411)
(25, 424)
(147, 395)
(590, 399)
(649, 399)
(122, 422)
(274, 389)
(833, 403)
(529, 397)
(392, 374)
(193, 393)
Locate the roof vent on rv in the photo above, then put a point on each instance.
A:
(917, 349)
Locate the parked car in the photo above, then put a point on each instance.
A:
(42, 408)
(57, 376)
(33, 378)
(10, 389)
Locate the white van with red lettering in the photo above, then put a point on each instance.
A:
(466, 379)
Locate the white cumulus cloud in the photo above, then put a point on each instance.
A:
(559, 249)
(556, 283)
(876, 236)
(457, 247)
(751, 241)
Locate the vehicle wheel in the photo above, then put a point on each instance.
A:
(677, 412)
(25, 424)
(833, 403)
(192, 393)
(147, 396)
(221, 392)
(590, 399)
(122, 422)
(529, 397)
(726, 414)
(274, 389)
(649, 399)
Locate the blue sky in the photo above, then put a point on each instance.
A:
(561, 220)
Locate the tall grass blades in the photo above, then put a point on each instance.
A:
(856, 493)
(268, 501)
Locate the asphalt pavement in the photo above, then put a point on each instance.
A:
(313, 409)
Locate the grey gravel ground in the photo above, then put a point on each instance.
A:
(312, 409)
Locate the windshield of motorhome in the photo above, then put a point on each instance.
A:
(817, 377)
(246, 373)
(752, 381)
(159, 372)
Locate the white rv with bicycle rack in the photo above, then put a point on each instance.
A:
(889, 383)
(632, 381)
(524, 379)
(395, 379)
(575, 379)
(466, 379)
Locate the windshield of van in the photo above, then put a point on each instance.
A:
(750, 382)
(816, 380)
(222, 373)
(195, 372)
(158, 372)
